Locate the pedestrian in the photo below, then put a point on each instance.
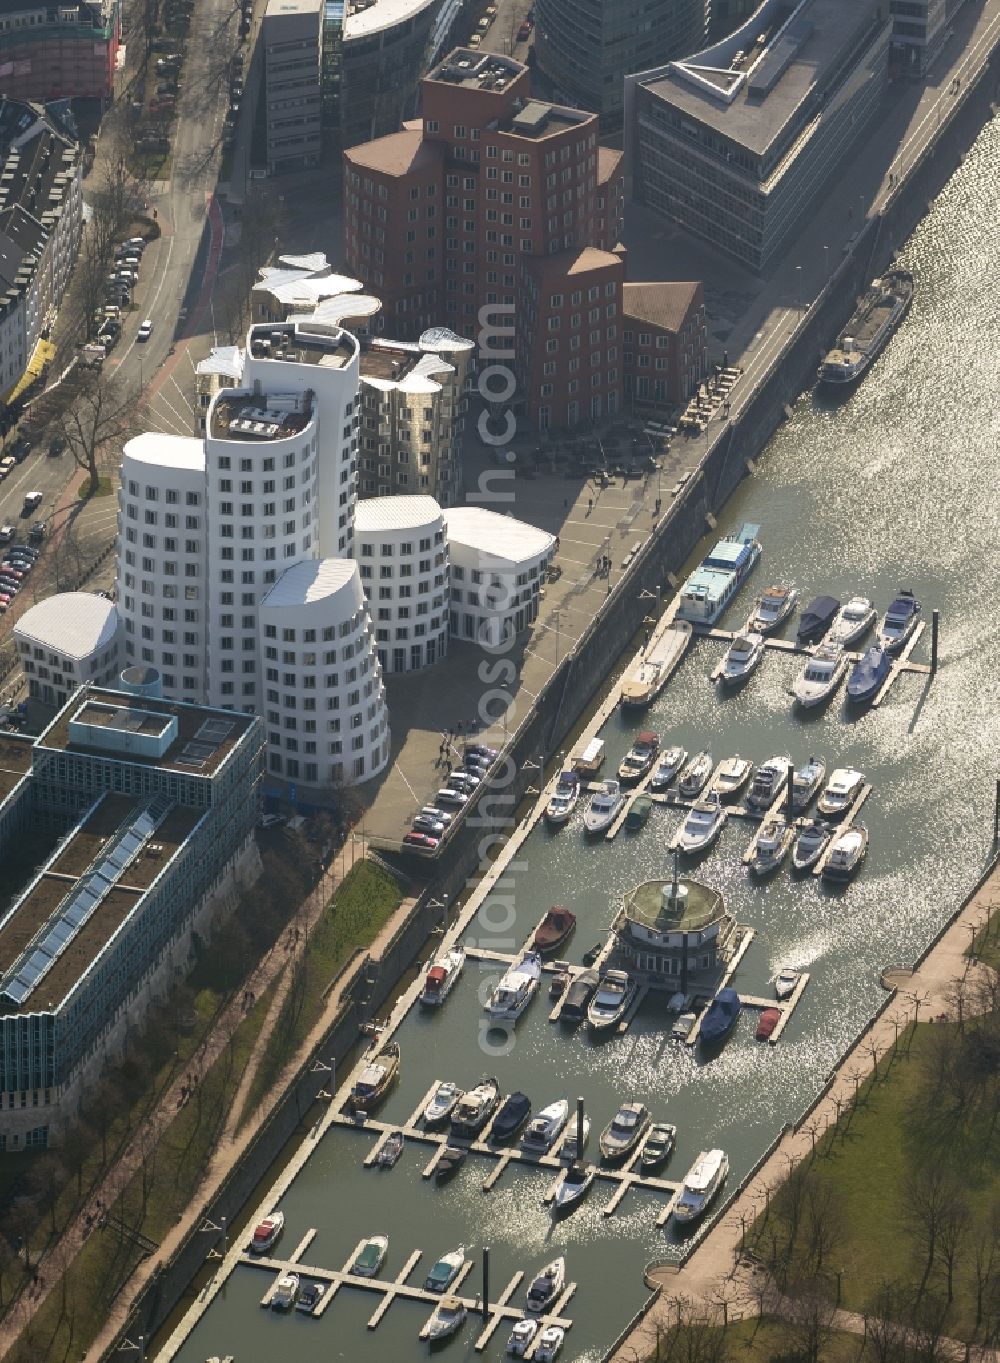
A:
(590, 505)
(725, 359)
(565, 503)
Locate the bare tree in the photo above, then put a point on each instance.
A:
(927, 1198)
(685, 1334)
(259, 237)
(75, 1148)
(951, 1239)
(102, 416)
(885, 1334)
(985, 1265)
(809, 1314)
(824, 1223)
(47, 1180)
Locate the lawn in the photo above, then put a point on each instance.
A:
(104, 489)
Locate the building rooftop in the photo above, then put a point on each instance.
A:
(225, 360)
(75, 624)
(574, 262)
(396, 513)
(304, 340)
(477, 70)
(15, 761)
(538, 119)
(237, 414)
(313, 580)
(304, 285)
(609, 164)
(366, 17)
(661, 305)
(279, 7)
(397, 154)
(647, 904)
(167, 451)
(496, 536)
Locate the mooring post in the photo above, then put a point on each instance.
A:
(486, 1282)
(935, 615)
(579, 1101)
(790, 794)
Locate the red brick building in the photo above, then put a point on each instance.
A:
(63, 51)
(665, 342)
(495, 198)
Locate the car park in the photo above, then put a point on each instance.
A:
(145, 331)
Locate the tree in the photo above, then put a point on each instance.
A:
(260, 229)
(927, 1198)
(114, 202)
(809, 1313)
(985, 1265)
(47, 1180)
(951, 1239)
(75, 1147)
(101, 418)
(824, 1223)
(885, 1334)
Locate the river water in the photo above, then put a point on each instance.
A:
(895, 486)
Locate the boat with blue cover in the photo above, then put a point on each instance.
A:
(868, 674)
(719, 576)
(722, 1016)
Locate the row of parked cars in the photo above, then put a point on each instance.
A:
(18, 561)
(118, 289)
(433, 821)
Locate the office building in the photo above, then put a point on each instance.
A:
(919, 31)
(737, 143)
(665, 342)
(403, 556)
(291, 39)
(66, 641)
(65, 51)
(498, 567)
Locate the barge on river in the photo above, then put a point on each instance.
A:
(868, 332)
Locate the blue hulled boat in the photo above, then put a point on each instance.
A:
(722, 1016)
(868, 674)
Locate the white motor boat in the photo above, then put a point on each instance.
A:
(266, 1232)
(670, 763)
(806, 782)
(769, 782)
(550, 1341)
(843, 789)
(475, 1108)
(772, 609)
(448, 1318)
(786, 984)
(516, 989)
(847, 852)
(810, 842)
(701, 1183)
(573, 1188)
(545, 1127)
(702, 826)
(371, 1256)
(851, 622)
(442, 976)
(611, 1000)
(572, 1147)
(821, 676)
(442, 1103)
(564, 799)
(741, 658)
(694, 777)
(604, 808)
(286, 1291)
(731, 776)
(774, 842)
(684, 1026)
(521, 1336)
(445, 1271)
(545, 1289)
(899, 622)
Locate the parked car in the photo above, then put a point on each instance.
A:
(7, 465)
(524, 32)
(20, 449)
(7, 533)
(56, 446)
(420, 842)
(422, 824)
(450, 796)
(38, 532)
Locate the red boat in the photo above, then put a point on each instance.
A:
(267, 1232)
(554, 931)
(769, 1019)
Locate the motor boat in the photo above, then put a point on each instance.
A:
(545, 1128)
(448, 1318)
(703, 824)
(546, 1287)
(266, 1232)
(713, 584)
(868, 674)
(774, 842)
(573, 1188)
(550, 1341)
(852, 622)
(445, 1271)
(286, 1291)
(564, 799)
(554, 931)
(639, 810)
(847, 852)
(670, 762)
(375, 1080)
(899, 622)
(741, 658)
(604, 808)
(769, 1019)
(810, 842)
(806, 781)
(517, 987)
(843, 789)
(639, 759)
(475, 1108)
(694, 777)
(442, 976)
(521, 1337)
(370, 1257)
(559, 979)
(821, 676)
(731, 775)
(450, 1161)
(611, 1001)
(391, 1150)
(701, 1183)
(721, 1018)
(786, 984)
(816, 619)
(512, 1116)
(658, 1146)
(310, 1297)
(769, 783)
(626, 1129)
(578, 996)
(684, 1026)
(772, 609)
(442, 1103)
(573, 1147)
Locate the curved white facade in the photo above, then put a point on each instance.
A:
(497, 569)
(323, 696)
(403, 556)
(66, 640)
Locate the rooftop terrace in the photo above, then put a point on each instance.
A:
(15, 762)
(239, 415)
(303, 342)
(699, 907)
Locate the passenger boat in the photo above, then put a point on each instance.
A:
(785, 984)
(772, 609)
(266, 1232)
(370, 1257)
(573, 1147)
(851, 622)
(684, 1026)
(286, 1290)
(550, 1341)
(590, 759)
(702, 825)
(578, 997)
(847, 852)
(554, 931)
(448, 1318)
(868, 674)
(658, 1146)
(545, 1288)
(638, 814)
(670, 762)
(806, 781)
(721, 1018)
(816, 619)
(874, 321)
(375, 1080)
(701, 1183)
(625, 1130)
(564, 799)
(512, 1116)
(604, 808)
(445, 1271)
(475, 1108)
(648, 676)
(741, 658)
(442, 976)
(389, 1155)
(899, 622)
(810, 842)
(310, 1297)
(573, 1188)
(639, 759)
(521, 1336)
(769, 1019)
(821, 676)
(769, 782)
(694, 777)
(721, 573)
(517, 987)
(611, 1001)
(442, 1103)
(451, 1160)
(843, 789)
(731, 775)
(546, 1127)
(774, 842)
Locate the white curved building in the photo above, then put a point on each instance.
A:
(323, 696)
(403, 555)
(66, 640)
(497, 569)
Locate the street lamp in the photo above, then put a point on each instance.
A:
(798, 287)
